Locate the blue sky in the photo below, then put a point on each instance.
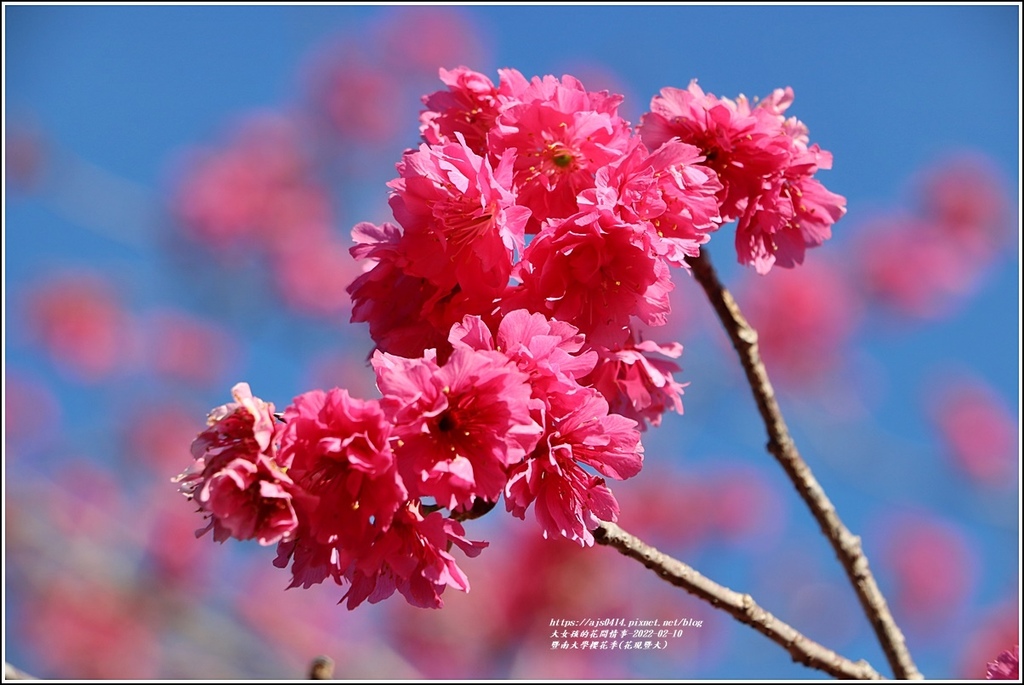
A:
(886, 89)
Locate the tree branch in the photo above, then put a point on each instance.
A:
(846, 545)
(742, 607)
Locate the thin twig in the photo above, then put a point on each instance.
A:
(846, 545)
(740, 606)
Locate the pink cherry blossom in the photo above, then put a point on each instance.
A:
(459, 216)
(688, 190)
(338, 452)
(578, 427)
(792, 213)
(605, 441)
(569, 501)
(669, 191)
(551, 352)
(597, 275)
(468, 107)
(1006, 666)
(242, 429)
(562, 135)
(636, 383)
(311, 562)
(337, 449)
(461, 425)
(236, 479)
(407, 314)
(412, 557)
(764, 164)
(249, 500)
(533, 234)
(742, 146)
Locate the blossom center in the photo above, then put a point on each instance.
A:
(463, 227)
(562, 159)
(447, 423)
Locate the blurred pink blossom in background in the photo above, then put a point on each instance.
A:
(933, 569)
(359, 99)
(181, 346)
(925, 260)
(93, 629)
(805, 319)
(78, 318)
(978, 431)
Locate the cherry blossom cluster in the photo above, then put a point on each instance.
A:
(764, 164)
(352, 489)
(534, 236)
(537, 195)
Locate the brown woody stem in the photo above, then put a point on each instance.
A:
(740, 606)
(846, 545)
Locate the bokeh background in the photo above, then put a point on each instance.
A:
(180, 182)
